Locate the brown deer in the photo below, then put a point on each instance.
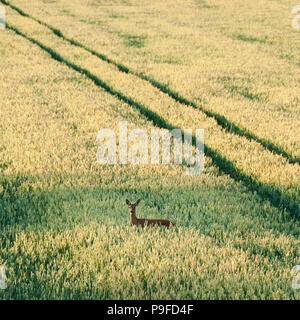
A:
(148, 222)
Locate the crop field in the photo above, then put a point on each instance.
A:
(71, 68)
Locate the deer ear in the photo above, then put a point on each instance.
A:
(127, 202)
(137, 202)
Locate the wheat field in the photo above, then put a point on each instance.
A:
(70, 68)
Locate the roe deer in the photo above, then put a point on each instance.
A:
(148, 222)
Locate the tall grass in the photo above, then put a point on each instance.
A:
(65, 230)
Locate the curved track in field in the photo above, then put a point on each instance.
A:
(276, 197)
(222, 121)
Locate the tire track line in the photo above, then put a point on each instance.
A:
(275, 196)
(221, 120)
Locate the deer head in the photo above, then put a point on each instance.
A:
(132, 206)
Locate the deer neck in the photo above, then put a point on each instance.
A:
(133, 218)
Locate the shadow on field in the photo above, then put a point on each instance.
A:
(44, 232)
(19, 205)
(283, 199)
(215, 208)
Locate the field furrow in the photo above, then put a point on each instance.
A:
(221, 120)
(64, 224)
(270, 174)
(257, 100)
